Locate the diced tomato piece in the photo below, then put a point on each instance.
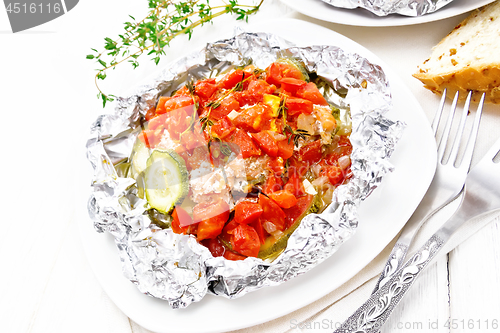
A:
(211, 228)
(277, 71)
(205, 88)
(297, 167)
(192, 139)
(334, 173)
(295, 186)
(272, 184)
(157, 121)
(293, 213)
(245, 240)
(285, 148)
(245, 143)
(344, 141)
(167, 104)
(310, 92)
(298, 105)
(283, 198)
(274, 75)
(223, 128)
(266, 142)
(276, 165)
(182, 216)
(150, 137)
(272, 212)
(292, 85)
(160, 106)
(176, 227)
(229, 255)
(247, 212)
(177, 122)
(253, 118)
(227, 231)
(243, 98)
(227, 105)
(184, 91)
(150, 114)
(232, 79)
(256, 90)
(311, 152)
(258, 228)
(215, 246)
(273, 124)
(212, 217)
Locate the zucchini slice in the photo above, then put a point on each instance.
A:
(166, 180)
(296, 64)
(140, 155)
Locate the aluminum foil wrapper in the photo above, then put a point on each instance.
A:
(386, 7)
(175, 267)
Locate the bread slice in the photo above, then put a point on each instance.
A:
(468, 58)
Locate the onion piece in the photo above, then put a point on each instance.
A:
(269, 227)
(309, 188)
(344, 162)
(277, 136)
(233, 114)
(320, 182)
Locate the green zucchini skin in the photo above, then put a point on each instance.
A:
(139, 158)
(166, 180)
(273, 247)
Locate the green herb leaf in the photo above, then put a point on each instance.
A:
(165, 21)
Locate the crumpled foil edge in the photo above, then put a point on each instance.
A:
(175, 267)
(386, 7)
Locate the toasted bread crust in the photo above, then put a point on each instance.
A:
(460, 63)
(478, 80)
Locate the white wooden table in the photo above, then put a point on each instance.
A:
(47, 94)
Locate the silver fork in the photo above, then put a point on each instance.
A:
(446, 185)
(482, 196)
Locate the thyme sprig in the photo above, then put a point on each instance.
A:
(295, 134)
(225, 149)
(166, 20)
(205, 121)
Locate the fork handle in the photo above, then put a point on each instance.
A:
(370, 317)
(433, 201)
(394, 262)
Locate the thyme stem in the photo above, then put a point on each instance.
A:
(165, 21)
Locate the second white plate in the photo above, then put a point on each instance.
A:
(361, 17)
(382, 216)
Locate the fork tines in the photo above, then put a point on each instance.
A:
(444, 134)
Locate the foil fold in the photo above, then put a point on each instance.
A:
(386, 7)
(175, 267)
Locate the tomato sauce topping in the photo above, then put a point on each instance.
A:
(285, 131)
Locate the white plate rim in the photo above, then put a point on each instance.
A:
(362, 17)
(156, 315)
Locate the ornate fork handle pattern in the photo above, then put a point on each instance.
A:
(396, 257)
(370, 317)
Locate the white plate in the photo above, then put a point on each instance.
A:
(362, 17)
(382, 215)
